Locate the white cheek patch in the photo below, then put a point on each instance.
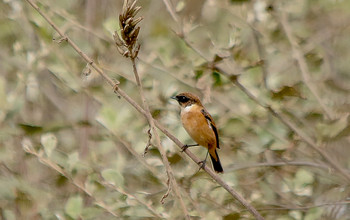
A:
(188, 108)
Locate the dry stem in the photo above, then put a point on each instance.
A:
(285, 121)
(305, 73)
(216, 177)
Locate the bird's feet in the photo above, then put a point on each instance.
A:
(184, 147)
(187, 146)
(202, 164)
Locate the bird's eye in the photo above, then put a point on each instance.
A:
(183, 99)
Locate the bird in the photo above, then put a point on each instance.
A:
(200, 126)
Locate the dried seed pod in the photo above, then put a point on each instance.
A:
(126, 41)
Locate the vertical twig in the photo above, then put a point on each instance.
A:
(127, 42)
(286, 122)
(132, 102)
(299, 57)
(80, 186)
(291, 126)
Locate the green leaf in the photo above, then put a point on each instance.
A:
(113, 177)
(30, 129)
(8, 214)
(217, 78)
(333, 129)
(49, 142)
(304, 177)
(314, 214)
(286, 91)
(111, 25)
(73, 160)
(74, 206)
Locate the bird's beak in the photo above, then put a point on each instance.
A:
(174, 97)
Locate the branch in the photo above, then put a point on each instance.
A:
(305, 208)
(290, 125)
(121, 191)
(128, 14)
(299, 57)
(58, 169)
(278, 164)
(216, 177)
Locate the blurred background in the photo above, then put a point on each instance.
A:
(71, 149)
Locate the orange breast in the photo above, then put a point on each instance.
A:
(198, 127)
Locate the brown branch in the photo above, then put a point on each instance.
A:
(304, 208)
(166, 163)
(291, 126)
(304, 69)
(128, 39)
(216, 177)
(261, 54)
(285, 121)
(121, 191)
(277, 164)
(47, 162)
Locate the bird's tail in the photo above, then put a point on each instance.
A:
(216, 162)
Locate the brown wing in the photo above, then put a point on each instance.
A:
(212, 124)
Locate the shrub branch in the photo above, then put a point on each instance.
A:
(116, 88)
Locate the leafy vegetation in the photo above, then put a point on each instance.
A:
(273, 74)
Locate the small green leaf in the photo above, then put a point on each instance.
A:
(217, 78)
(111, 25)
(49, 142)
(30, 129)
(74, 206)
(73, 160)
(8, 214)
(286, 91)
(314, 214)
(113, 177)
(333, 129)
(304, 177)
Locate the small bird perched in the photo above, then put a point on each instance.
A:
(200, 126)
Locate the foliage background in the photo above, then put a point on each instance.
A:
(70, 149)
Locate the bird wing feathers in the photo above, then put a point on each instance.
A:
(212, 124)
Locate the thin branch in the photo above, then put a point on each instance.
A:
(158, 142)
(299, 57)
(278, 164)
(290, 125)
(304, 208)
(121, 191)
(80, 186)
(129, 41)
(216, 177)
(171, 11)
(261, 54)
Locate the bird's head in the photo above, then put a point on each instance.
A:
(187, 99)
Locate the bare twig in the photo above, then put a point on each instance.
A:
(129, 40)
(291, 126)
(304, 208)
(285, 121)
(262, 55)
(47, 162)
(118, 189)
(216, 177)
(304, 69)
(171, 10)
(148, 145)
(277, 164)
